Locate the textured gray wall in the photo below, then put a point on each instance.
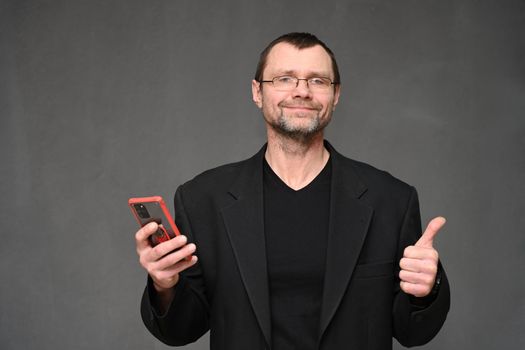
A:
(103, 100)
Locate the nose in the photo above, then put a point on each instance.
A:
(302, 89)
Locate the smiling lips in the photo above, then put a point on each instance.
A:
(300, 106)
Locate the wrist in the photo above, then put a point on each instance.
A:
(162, 297)
(161, 289)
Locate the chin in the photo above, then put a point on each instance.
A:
(304, 125)
(300, 132)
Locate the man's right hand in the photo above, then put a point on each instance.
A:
(166, 260)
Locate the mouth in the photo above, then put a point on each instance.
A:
(300, 108)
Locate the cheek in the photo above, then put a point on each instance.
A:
(328, 105)
(270, 104)
(269, 111)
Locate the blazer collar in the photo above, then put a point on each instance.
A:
(348, 225)
(244, 220)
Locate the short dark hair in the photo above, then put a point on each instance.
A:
(300, 41)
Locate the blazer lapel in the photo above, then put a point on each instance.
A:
(245, 226)
(244, 221)
(349, 221)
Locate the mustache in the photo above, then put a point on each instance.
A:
(300, 104)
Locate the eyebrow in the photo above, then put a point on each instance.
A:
(293, 72)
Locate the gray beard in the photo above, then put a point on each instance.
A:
(299, 133)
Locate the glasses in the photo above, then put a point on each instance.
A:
(288, 83)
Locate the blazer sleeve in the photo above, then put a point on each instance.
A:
(412, 325)
(187, 317)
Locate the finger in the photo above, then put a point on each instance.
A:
(179, 267)
(427, 239)
(415, 289)
(418, 265)
(421, 253)
(416, 278)
(141, 237)
(174, 258)
(170, 277)
(188, 263)
(166, 247)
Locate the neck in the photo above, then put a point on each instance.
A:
(296, 162)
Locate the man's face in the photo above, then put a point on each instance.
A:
(299, 112)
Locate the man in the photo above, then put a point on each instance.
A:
(298, 246)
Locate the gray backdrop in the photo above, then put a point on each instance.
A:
(103, 100)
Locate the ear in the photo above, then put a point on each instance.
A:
(257, 93)
(337, 92)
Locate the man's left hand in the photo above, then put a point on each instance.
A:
(419, 264)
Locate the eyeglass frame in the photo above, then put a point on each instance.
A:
(299, 79)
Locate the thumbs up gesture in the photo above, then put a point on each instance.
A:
(419, 264)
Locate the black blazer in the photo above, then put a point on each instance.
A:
(373, 217)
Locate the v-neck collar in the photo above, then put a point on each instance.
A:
(323, 177)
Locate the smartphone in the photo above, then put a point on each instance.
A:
(149, 209)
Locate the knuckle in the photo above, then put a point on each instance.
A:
(425, 291)
(187, 264)
(402, 285)
(417, 290)
(151, 271)
(146, 264)
(151, 227)
(406, 251)
(159, 250)
(142, 261)
(160, 276)
(402, 263)
(172, 259)
(410, 250)
(408, 287)
(428, 280)
(177, 258)
(432, 268)
(173, 243)
(155, 269)
(405, 276)
(435, 255)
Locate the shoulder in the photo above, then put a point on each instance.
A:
(375, 182)
(214, 178)
(389, 196)
(375, 176)
(217, 182)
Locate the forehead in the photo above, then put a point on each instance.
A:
(285, 58)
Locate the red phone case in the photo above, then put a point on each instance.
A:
(149, 209)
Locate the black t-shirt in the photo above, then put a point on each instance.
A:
(296, 230)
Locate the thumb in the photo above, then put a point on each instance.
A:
(427, 239)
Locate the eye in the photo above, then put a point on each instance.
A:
(316, 81)
(285, 79)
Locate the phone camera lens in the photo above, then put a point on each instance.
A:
(142, 211)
